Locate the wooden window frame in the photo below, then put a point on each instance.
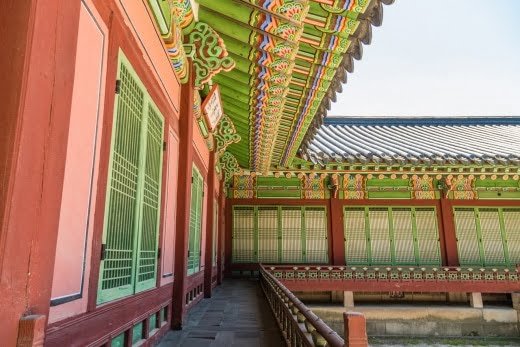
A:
(280, 240)
(483, 261)
(391, 235)
(142, 182)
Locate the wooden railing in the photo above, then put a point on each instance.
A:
(298, 324)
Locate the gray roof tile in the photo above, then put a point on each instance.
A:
(429, 141)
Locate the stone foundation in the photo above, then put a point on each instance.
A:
(428, 321)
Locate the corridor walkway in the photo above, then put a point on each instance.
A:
(237, 315)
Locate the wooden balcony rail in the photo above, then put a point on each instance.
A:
(299, 325)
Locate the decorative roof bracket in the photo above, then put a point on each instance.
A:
(208, 52)
(225, 135)
(229, 165)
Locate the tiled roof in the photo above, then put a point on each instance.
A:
(416, 141)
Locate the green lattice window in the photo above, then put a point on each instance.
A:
(391, 236)
(131, 226)
(197, 193)
(488, 236)
(245, 235)
(279, 234)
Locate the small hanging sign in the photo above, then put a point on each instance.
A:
(212, 108)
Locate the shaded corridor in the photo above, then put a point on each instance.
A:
(237, 315)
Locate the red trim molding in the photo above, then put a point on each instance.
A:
(97, 327)
(404, 279)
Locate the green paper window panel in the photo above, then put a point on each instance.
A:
(244, 234)
(512, 231)
(118, 341)
(150, 205)
(391, 236)
(137, 333)
(403, 239)
(291, 230)
(133, 191)
(316, 240)
(267, 234)
(493, 235)
(379, 236)
(152, 322)
(428, 242)
(197, 189)
(467, 239)
(162, 315)
(356, 251)
(279, 234)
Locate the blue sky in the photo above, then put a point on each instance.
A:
(438, 58)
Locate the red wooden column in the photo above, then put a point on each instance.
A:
(222, 222)
(448, 230)
(337, 244)
(183, 199)
(37, 71)
(208, 259)
(228, 241)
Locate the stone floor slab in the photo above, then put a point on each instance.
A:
(237, 315)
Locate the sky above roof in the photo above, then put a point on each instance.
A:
(438, 58)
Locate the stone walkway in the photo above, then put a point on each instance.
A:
(237, 315)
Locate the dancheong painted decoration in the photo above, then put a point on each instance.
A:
(291, 58)
(278, 63)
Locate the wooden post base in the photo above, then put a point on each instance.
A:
(355, 329)
(31, 331)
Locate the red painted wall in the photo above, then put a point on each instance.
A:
(39, 66)
(170, 209)
(41, 62)
(132, 31)
(71, 267)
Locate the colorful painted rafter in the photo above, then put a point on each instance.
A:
(291, 56)
(173, 18)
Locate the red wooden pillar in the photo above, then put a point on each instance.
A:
(337, 244)
(37, 71)
(228, 244)
(208, 259)
(183, 199)
(448, 230)
(222, 222)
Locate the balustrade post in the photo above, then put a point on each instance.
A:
(355, 329)
(290, 312)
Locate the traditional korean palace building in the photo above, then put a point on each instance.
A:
(151, 150)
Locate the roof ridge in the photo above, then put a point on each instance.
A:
(416, 121)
